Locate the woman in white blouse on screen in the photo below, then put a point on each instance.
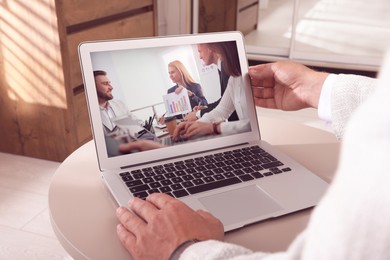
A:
(233, 99)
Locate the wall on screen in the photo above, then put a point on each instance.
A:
(140, 77)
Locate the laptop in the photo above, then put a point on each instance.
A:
(236, 176)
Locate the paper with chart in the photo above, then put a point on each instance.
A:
(177, 104)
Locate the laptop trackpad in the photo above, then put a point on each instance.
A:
(236, 206)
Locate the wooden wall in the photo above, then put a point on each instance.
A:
(43, 111)
(228, 15)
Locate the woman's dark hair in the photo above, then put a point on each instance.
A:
(229, 56)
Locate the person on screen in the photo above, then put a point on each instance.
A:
(233, 99)
(183, 81)
(209, 56)
(110, 108)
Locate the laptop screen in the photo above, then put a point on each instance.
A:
(157, 98)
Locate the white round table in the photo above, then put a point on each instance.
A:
(83, 212)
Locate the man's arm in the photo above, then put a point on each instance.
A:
(290, 86)
(348, 92)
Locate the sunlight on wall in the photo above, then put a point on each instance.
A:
(344, 27)
(341, 32)
(31, 52)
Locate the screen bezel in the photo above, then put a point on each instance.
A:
(133, 159)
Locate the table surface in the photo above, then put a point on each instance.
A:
(83, 212)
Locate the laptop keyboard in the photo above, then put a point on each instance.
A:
(204, 173)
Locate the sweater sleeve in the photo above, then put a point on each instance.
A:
(212, 249)
(232, 100)
(348, 92)
(222, 111)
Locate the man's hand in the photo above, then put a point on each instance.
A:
(286, 85)
(160, 224)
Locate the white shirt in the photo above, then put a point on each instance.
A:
(115, 109)
(108, 114)
(324, 104)
(233, 99)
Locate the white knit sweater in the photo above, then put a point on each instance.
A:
(352, 221)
